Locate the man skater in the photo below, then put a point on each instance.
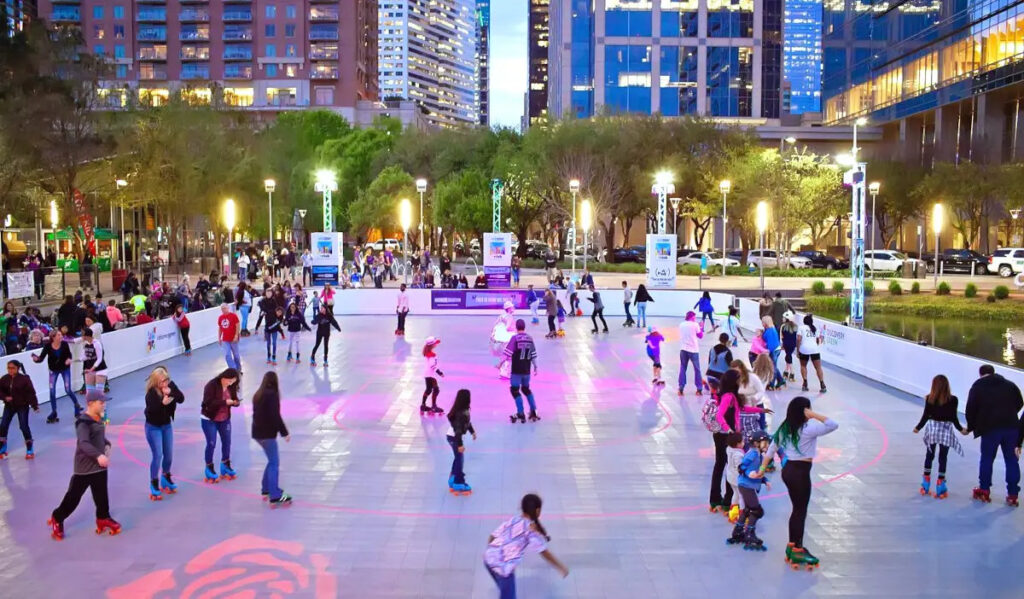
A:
(992, 407)
(402, 309)
(228, 329)
(523, 355)
(598, 312)
(533, 301)
(627, 299)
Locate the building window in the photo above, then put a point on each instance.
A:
(679, 19)
(281, 96)
(97, 32)
(98, 50)
(291, 50)
(122, 71)
(119, 51)
(119, 12)
(290, 11)
(290, 70)
(238, 96)
(271, 70)
(730, 18)
(289, 30)
(269, 30)
(119, 32)
(678, 92)
(625, 18)
(730, 81)
(271, 50)
(97, 12)
(271, 11)
(628, 78)
(324, 96)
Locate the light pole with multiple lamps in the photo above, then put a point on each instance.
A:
(405, 219)
(585, 224)
(229, 224)
(874, 187)
(268, 186)
(574, 189)
(762, 226)
(326, 184)
(724, 187)
(663, 186)
(120, 184)
(937, 229)
(421, 188)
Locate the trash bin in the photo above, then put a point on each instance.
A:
(117, 278)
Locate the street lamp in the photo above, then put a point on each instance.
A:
(662, 187)
(762, 226)
(873, 188)
(860, 122)
(229, 224)
(724, 187)
(786, 140)
(405, 219)
(1014, 214)
(269, 185)
(120, 184)
(585, 224)
(574, 188)
(421, 188)
(675, 215)
(326, 184)
(937, 229)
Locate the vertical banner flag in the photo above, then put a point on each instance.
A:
(85, 220)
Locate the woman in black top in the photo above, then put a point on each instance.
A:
(267, 424)
(58, 359)
(640, 301)
(162, 399)
(323, 320)
(17, 395)
(458, 418)
(938, 421)
(66, 314)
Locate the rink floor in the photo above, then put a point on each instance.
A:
(624, 472)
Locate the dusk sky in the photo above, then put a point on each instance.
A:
(508, 61)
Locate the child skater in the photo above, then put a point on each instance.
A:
(561, 319)
(732, 326)
(938, 421)
(17, 395)
(653, 342)
(295, 321)
(430, 375)
(460, 424)
(751, 477)
(707, 311)
(789, 331)
(273, 328)
(509, 543)
(734, 456)
(92, 453)
(719, 358)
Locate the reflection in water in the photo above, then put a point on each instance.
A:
(985, 339)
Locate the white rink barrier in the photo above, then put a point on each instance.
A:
(893, 361)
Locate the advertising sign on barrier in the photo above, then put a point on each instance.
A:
(19, 284)
(328, 257)
(498, 260)
(476, 299)
(661, 261)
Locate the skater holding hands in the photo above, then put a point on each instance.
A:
(430, 374)
(938, 421)
(510, 542)
(460, 424)
(653, 342)
(751, 477)
(18, 396)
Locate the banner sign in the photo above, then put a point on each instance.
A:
(661, 261)
(476, 299)
(19, 284)
(85, 220)
(498, 260)
(328, 257)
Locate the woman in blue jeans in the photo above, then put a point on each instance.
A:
(57, 354)
(512, 541)
(162, 399)
(219, 396)
(267, 424)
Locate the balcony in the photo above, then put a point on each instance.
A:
(153, 53)
(194, 34)
(237, 53)
(317, 32)
(193, 1)
(151, 34)
(152, 74)
(151, 15)
(194, 53)
(237, 16)
(323, 52)
(65, 14)
(65, 2)
(152, 1)
(238, 71)
(193, 15)
(237, 35)
(192, 71)
(323, 13)
(323, 72)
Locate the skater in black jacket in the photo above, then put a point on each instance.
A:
(324, 320)
(18, 396)
(595, 298)
(295, 322)
(275, 327)
(458, 418)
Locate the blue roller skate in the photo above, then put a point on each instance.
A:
(210, 474)
(926, 484)
(167, 484)
(751, 542)
(226, 471)
(3, 450)
(461, 489)
(30, 453)
(940, 489)
(154, 490)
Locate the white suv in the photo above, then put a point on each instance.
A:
(1006, 261)
(888, 261)
(772, 259)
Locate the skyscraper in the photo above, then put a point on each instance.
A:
(428, 54)
(537, 92)
(483, 59)
(801, 63)
(14, 15)
(673, 57)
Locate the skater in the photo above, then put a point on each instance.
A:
(295, 322)
(430, 374)
(228, 331)
(92, 459)
(243, 304)
(402, 309)
(779, 309)
(707, 311)
(808, 340)
(94, 366)
(938, 421)
(789, 337)
(459, 424)
(561, 319)
(501, 333)
(307, 267)
(551, 310)
(517, 264)
(627, 299)
(274, 327)
(598, 312)
(181, 319)
(719, 359)
(510, 542)
(324, 320)
(162, 399)
(641, 299)
(732, 326)
(992, 407)
(729, 405)
(653, 342)
(751, 477)
(267, 424)
(690, 334)
(533, 301)
(797, 438)
(733, 458)
(522, 354)
(574, 297)
(243, 266)
(57, 354)
(18, 396)
(266, 306)
(770, 335)
(219, 396)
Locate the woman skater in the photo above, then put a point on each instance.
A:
(219, 396)
(707, 311)
(460, 424)
(809, 341)
(430, 375)
(162, 399)
(938, 421)
(730, 405)
(797, 439)
(181, 320)
(501, 333)
(640, 301)
(267, 424)
(324, 320)
(510, 542)
(18, 395)
(57, 354)
(274, 327)
(295, 322)
(788, 332)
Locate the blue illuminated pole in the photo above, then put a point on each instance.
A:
(496, 188)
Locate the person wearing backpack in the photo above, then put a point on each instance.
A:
(720, 417)
(719, 359)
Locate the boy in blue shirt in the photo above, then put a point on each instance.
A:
(751, 477)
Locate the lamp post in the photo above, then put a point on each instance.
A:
(762, 226)
(326, 184)
(574, 189)
(784, 141)
(724, 187)
(675, 215)
(421, 188)
(120, 184)
(1012, 237)
(937, 229)
(662, 187)
(585, 224)
(873, 188)
(229, 224)
(269, 185)
(405, 219)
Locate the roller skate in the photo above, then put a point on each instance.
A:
(798, 557)
(111, 526)
(1011, 500)
(226, 471)
(265, 495)
(751, 542)
(425, 410)
(52, 418)
(560, 333)
(282, 501)
(823, 389)
(982, 495)
(926, 484)
(288, 360)
(3, 450)
(461, 489)
(533, 416)
(56, 529)
(210, 475)
(535, 321)
(520, 417)
(734, 514)
(312, 361)
(269, 362)
(167, 484)
(30, 454)
(940, 489)
(154, 490)
(804, 387)
(717, 507)
(737, 535)
(436, 410)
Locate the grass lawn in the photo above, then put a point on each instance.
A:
(927, 304)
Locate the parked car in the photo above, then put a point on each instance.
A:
(888, 261)
(621, 254)
(954, 260)
(536, 249)
(736, 255)
(714, 259)
(772, 259)
(820, 259)
(384, 244)
(1006, 262)
(680, 252)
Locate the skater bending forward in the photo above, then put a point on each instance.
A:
(751, 477)
(523, 356)
(510, 542)
(460, 424)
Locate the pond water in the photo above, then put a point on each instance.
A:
(985, 339)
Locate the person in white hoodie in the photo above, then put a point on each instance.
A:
(627, 299)
(402, 309)
(690, 334)
(430, 375)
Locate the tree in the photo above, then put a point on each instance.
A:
(820, 194)
(521, 205)
(377, 206)
(462, 201)
(964, 188)
(897, 200)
